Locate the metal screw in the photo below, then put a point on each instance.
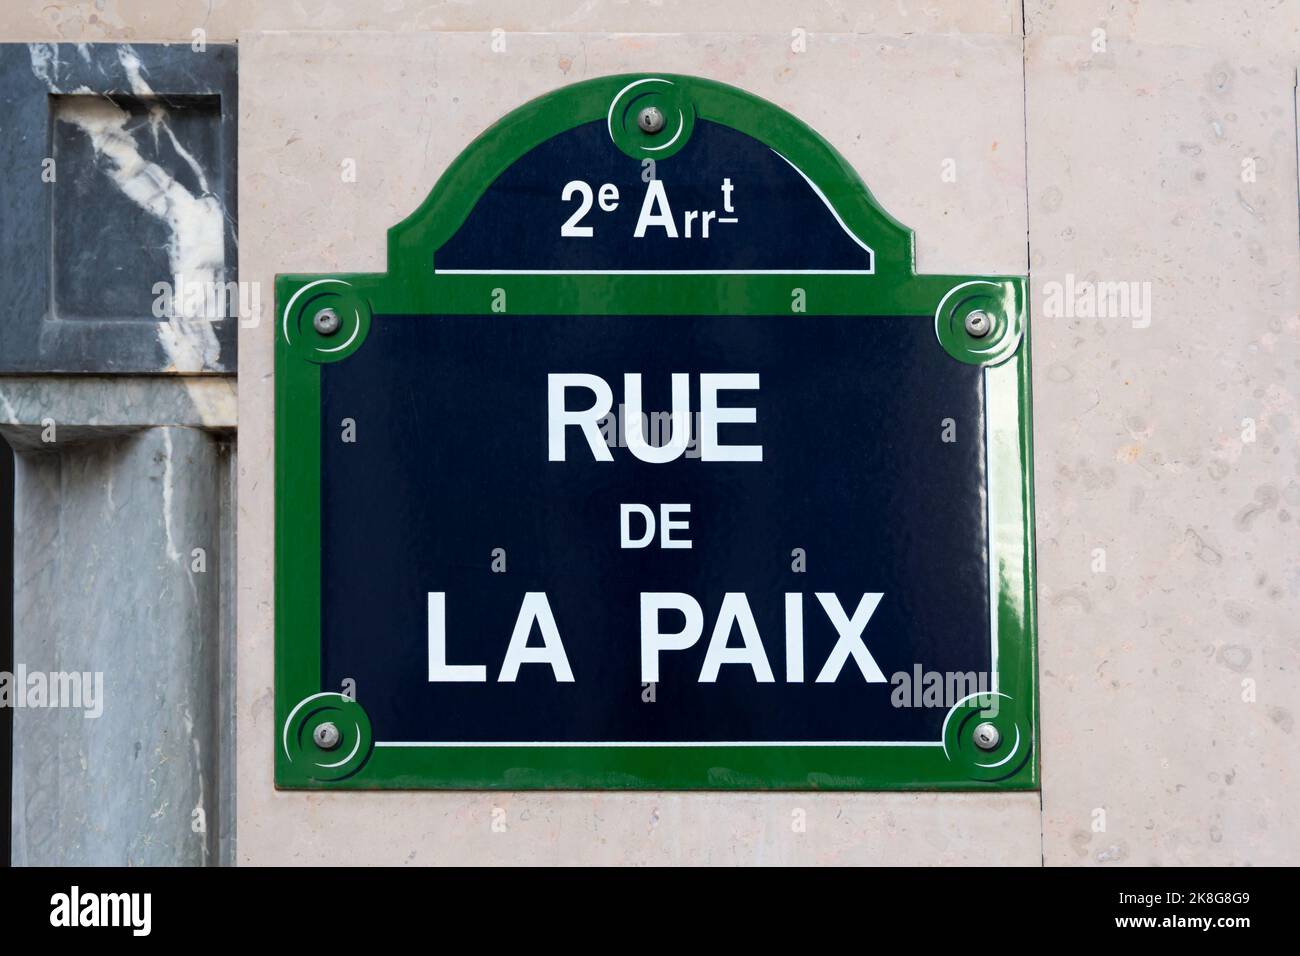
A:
(327, 322)
(651, 120)
(987, 736)
(327, 736)
(979, 323)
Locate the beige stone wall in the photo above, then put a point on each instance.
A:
(409, 104)
(1136, 173)
(141, 20)
(1169, 685)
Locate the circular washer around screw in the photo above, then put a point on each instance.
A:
(986, 736)
(327, 736)
(650, 119)
(326, 321)
(979, 323)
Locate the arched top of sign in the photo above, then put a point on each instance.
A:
(652, 194)
(765, 193)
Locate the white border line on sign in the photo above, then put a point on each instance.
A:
(990, 520)
(664, 743)
(834, 212)
(996, 380)
(654, 272)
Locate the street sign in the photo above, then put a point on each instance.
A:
(651, 463)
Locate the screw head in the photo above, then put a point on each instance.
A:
(979, 323)
(650, 119)
(327, 321)
(327, 736)
(986, 736)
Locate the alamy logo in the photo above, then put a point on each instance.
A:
(39, 689)
(943, 689)
(103, 909)
(1082, 299)
(207, 299)
(651, 428)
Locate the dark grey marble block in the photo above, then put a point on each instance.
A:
(118, 244)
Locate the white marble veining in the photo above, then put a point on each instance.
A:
(102, 401)
(195, 222)
(105, 534)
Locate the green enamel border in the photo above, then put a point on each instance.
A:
(411, 286)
